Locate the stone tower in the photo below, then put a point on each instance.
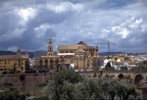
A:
(19, 52)
(50, 48)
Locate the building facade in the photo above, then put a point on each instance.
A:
(14, 63)
(122, 60)
(80, 56)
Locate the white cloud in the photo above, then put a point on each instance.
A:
(94, 20)
(26, 14)
(64, 6)
(41, 30)
(136, 23)
(106, 31)
(125, 28)
(123, 33)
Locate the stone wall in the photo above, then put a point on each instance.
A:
(32, 84)
(35, 78)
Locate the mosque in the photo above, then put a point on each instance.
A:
(79, 56)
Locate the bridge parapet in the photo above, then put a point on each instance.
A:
(134, 77)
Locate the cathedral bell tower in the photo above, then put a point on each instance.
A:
(50, 48)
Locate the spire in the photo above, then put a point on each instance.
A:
(50, 48)
(19, 50)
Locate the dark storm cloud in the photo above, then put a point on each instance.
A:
(29, 24)
(10, 21)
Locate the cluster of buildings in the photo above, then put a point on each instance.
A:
(122, 60)
(80, 56)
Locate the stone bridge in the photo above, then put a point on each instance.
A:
(131, 77)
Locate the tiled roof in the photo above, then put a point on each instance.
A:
(67, 47)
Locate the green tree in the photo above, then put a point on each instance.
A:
(68, 85)
(67, 75)
(9, 94)
(57, 89)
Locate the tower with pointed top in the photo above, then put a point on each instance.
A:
(50, 48)
(19, 51)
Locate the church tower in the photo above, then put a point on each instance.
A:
(50, 48)
(19, 52)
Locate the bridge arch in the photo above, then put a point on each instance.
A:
(138, 78)
(106, 76)
(120, 76)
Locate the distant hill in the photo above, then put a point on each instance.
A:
(31, 54)
(7, 53)
(109, 53)
(44, 53)
(40, 53)
(136, 53)
(114, 53)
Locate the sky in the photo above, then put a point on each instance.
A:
(29, 24)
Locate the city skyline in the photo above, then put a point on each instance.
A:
(29, 24)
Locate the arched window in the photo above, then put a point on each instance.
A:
(46, 62)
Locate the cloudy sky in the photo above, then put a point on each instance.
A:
(29, 24)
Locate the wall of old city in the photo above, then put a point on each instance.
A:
(33, 78)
